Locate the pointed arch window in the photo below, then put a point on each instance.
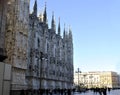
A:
(47, 47)
(38, 43)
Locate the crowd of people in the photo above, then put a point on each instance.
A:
(47, 92)
(101, 91)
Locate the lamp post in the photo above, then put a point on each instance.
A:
(78, 71)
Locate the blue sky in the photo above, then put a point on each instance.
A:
(96, 30)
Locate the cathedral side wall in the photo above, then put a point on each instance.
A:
(16, 42)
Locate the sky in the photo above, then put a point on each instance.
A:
(95, 26)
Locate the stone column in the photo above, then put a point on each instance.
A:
(3, 8)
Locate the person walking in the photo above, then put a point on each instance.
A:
(100, 91)
(104, 91)
(50, 91)
(69, 92)
(22, 92)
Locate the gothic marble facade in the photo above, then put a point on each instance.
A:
(39, 55)
(50, 63)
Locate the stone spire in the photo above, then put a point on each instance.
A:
(35, 8)
(70, 33)
(45, 15)
(59, 29)
(53, 25)
(64, 33)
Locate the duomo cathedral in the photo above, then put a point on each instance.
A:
(41, 58)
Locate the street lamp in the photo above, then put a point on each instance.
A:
(78, 71)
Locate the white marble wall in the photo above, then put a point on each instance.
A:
(17, 40)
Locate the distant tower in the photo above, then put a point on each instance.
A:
(70, 49)
(70, 45)
(16, 41)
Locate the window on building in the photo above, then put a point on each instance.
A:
(38, 43)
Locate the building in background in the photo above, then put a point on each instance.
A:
(97, 79)
(109, 79)
(40, 57)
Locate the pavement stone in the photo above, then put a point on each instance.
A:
(112, 92)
